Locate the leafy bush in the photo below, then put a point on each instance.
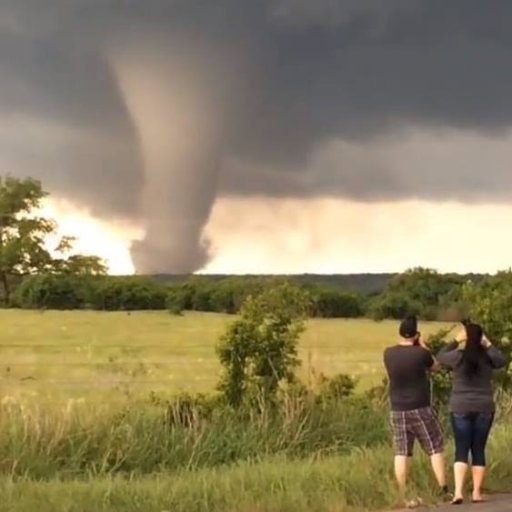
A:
(129, 294)
(227, 296)
(336, 388)
(419, 291)
(393, 305)
(490, 303)
(189, 411)
(259, 351)
(52, 291)
(177, 300)
(332, 303)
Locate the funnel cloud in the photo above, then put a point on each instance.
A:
(150, 111)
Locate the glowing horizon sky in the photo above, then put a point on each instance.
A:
(320, 236)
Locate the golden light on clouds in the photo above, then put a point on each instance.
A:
(334, 236)
(322, 236)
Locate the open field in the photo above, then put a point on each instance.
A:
(115, 451)
(81, 352)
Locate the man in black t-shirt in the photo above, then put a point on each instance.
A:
(412, 418)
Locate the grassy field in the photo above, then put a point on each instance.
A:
(77, 353)
(86, 449)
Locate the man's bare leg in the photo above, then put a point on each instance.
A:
(439, 468)
(402, 464)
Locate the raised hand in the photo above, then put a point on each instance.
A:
(485, 341)
(461, 336)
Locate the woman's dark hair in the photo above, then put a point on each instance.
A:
(473, 351)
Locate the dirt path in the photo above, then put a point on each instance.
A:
(497, 503)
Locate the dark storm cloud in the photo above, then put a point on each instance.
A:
(151, 109)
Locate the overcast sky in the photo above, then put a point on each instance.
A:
(325, 136)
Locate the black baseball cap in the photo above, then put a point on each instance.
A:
(409, 327)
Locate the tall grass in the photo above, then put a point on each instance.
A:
(361, 480)
(312, 453)
(78, 439)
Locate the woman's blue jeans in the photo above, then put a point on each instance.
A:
(471, 432)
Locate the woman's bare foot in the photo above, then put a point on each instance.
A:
(477, 498)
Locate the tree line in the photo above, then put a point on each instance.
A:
(109, 293)
(424, 292)
(35, 274)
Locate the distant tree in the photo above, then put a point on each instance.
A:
(330, 302)
(129, 294)
(24, 234)
(77, 264)
(55, 291)
(222, 298)
(202, 298)
(394, 305)
(420, 291)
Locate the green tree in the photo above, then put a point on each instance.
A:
(259, 350)
(394, 305)
(76, 264)
(490, 304)
(24, 234)
(332, 303)
(55, 291)
(129, 294)
(420, 291)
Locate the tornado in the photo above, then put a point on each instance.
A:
(175, 114)
(147, 111)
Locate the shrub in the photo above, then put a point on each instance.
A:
(230, 294)
(177, 300)
(490, 303)
(187, 410)
(420, 291)
(336, 388)
(202, 298)
(129, 294)
(53, 291)
(393, 305)
(220, 295)
(259, 350)
(332, 303)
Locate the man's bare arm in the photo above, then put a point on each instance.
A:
(436, 366)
